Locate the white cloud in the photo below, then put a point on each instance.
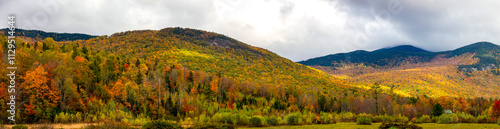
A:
(295, 29)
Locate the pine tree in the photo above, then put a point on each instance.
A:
(75, 52)
(322, 103)
(376, 91)
(139, 77)
(437, 110)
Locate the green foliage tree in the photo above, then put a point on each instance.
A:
(49, 43)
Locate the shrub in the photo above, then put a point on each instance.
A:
(465, 118)
(213, 126)
(235, 118)
(447, 119)
(399, 126)
(256, 121)
(161, 125)
(364, 121)
(186, 121)
(57, 119)
(346, 117)
(413, 120)
(140, 121)
(224, 117)
(424, 119)
(326, 118)
(383, 118)
(20, 127)
(78, 117)
(434, 119)
(292, 120)
(243, 119)
(273, 120)
(498, 121)
(203, 118)
(482, 119)
(308, 117)
(64, 118)
(401, 119)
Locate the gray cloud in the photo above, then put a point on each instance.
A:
(437, 25)
(297, 30)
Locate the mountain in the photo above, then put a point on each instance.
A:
(196, 50)
(216, 54)
(415, 71)
(37, 34)
(487, 53)
(381, 57)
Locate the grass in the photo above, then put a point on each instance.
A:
(352, 125)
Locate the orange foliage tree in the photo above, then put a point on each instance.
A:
(35, 88)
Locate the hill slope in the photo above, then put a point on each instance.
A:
(215, 53)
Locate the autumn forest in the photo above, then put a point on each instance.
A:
(194, 78)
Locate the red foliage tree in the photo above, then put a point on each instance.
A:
(30, 109)
(495, 111)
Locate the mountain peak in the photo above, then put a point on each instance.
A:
(401, 48)
(481, 44)
(478, 47)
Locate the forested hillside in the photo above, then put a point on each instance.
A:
(196, 78)
(214, 54)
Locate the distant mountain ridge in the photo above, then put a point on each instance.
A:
(37, 34)
(471, 70)
(487, 52)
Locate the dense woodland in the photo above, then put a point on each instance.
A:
(195, 77)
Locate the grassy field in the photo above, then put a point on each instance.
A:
(56, 126)
(352, 125)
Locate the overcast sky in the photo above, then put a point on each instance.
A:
(295, 29)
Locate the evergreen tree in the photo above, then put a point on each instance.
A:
(437, 110)
(322, 103)
(139, 77)
(45, 46)
(75, 52)
(137, 62)
(376, 91)
(85, 50)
